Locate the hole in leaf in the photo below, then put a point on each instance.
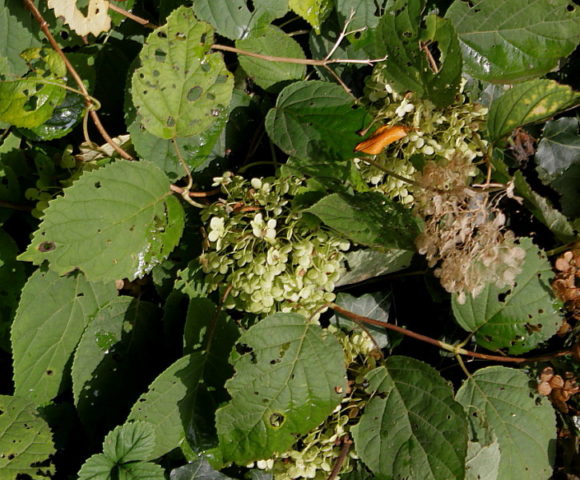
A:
(46, 246)
(31, 104)
(49, 372)
(97, 184)
(194, 93)
(180, 36)
(277, 419)
(203, 38)
(160, 55)
(161, 34)
(170, 121)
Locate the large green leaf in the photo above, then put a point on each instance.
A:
(411, 427)
(30, 101)
(12, 278)
(500, 399)
(511, 41)
(313, 11)
(26, 445)
(233, 19)
(567, 186)
(369, 219)
(363, 13)
(517, 318)
(369, 263)
(400, 34)
(271, 76)
(113, 362)
(285, 384)
(199, 469)
(180, 88)
(170, 401)
(115, 222)
(527, 103)
(315, 119)
(558, 149)
(45, 333)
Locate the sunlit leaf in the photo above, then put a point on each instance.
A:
(95, 21)
(313, 11)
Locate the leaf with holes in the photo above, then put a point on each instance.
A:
(287, 381)
(500, 399)
(411, 427)
(31, 100)
(180, 88)
(517, 318)
(527, 103)
(510, 41)
(45, 334)
(25, 441)
(115, 222)
(95, 21)
(271, 76)
(411, 66)
(315, 119)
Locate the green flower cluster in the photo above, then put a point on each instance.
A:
(435, 132)
(315, 454)
(263, 252)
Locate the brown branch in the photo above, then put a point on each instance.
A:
(15, 206)
(131, 16)
(88, 100)
(346, 443)
(181, 190)
(446, 346)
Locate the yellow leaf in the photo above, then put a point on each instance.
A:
(96, 21)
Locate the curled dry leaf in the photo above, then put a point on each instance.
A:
(96, 21)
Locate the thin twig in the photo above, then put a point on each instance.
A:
(88, 99)
(15, 206)
(186, 195)
(131, 16)
(391, 173)
(346, 443)
(445, 346)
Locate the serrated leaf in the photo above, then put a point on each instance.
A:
(558, 149)
(115, 222)
(500, 399)
(234, 20)
(178, 54)
(527, 103)
(25, 441)
(96, 467)
(313, 11)
(511, 41)
(114, 362)
(271, 76)
(142, 471)
(411, 427)
(315, 119)
(30, 101)
(285, 385)
(168, 403)
(400, 35)
(368, 219)
(368, 263)
(12, 278)
(543, 210)
(199, 469)
(45, 334)
(517, 318)
(130, 442)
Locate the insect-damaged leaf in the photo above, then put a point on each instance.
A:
(180, 88)
(115, 222)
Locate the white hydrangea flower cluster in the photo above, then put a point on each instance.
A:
(315, 454)
(464, 234)
(264, 251)
(436, 132)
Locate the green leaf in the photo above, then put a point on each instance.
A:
(365, 13)
(368, 219)
(368, 263)
(313, 11)
(178, 54)
(97, 467)
(12, 278)
(567, 186)
(510, 41)
(517, 318)
(500, 399)
(45, 334)
(558, 149)
(130, 442)
(115, 222)
(234, 20)
(411, 427)
(18, 32)
(199, 469)
(141, 471)
(527, 103)
(315, 119)
(543, 210)
(285, 384)
(482, 462)
(271, 76)
(113, 361)
(30, 101)
(169, 402)
(400, 34)
(25, 441)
